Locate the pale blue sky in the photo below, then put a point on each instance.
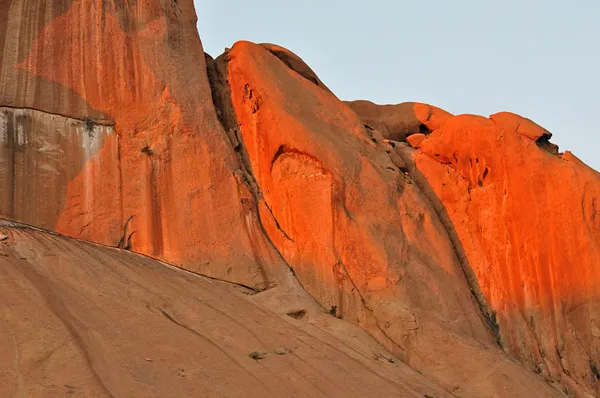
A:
(540, 59)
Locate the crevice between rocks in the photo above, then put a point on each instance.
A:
(544, 143)
(429, 194)
(125, 241)
(221, 96)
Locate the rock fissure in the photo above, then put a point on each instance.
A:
(285, 235)
(125, 241)
(221, 95)
(486, 310)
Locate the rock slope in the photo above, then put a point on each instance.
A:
(356, 231)
(82, 320)
(524, 219)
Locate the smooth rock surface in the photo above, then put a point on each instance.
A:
(473, 259)
(82, 320)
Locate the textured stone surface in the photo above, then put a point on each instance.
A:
(166, 181)
(472, 257)
(529, 224)
(295, 63)
(88, 321)
(357, 233)
(396, 122)
(40, 153)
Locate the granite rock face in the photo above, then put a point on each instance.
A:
(462, 247)
(528, 223)
(117, 93)
(356, 231)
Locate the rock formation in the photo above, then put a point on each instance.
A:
(83, 320)
(528, 223)
(466, 248)
(397, 122)
(114, 97)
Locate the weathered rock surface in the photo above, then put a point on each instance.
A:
(296, 64)
(467, 247)
(40, 153)
(357, 233)
(83, 320)
(161, 178)
(396, 122)
(527, 224)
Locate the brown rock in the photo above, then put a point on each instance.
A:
(397, 122)
(119, 142)
(84, 320)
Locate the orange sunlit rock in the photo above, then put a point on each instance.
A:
(416, 140)
(528, 221)
(382, 239)
(360, 236)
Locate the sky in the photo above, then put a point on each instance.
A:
(540, 59)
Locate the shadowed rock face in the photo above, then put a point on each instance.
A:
(397, 122)
(40, 153)
(443, 237)
(166, 181)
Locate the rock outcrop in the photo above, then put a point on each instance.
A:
(527, 224)
(397, 122)
(400, 249)
(356, 231)
(114, 138)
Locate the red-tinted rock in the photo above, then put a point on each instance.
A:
(115, 128)
(528, 222)
(416, 140)
(521, 125)
(164, 180)
(357, 233)
(295, 63)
